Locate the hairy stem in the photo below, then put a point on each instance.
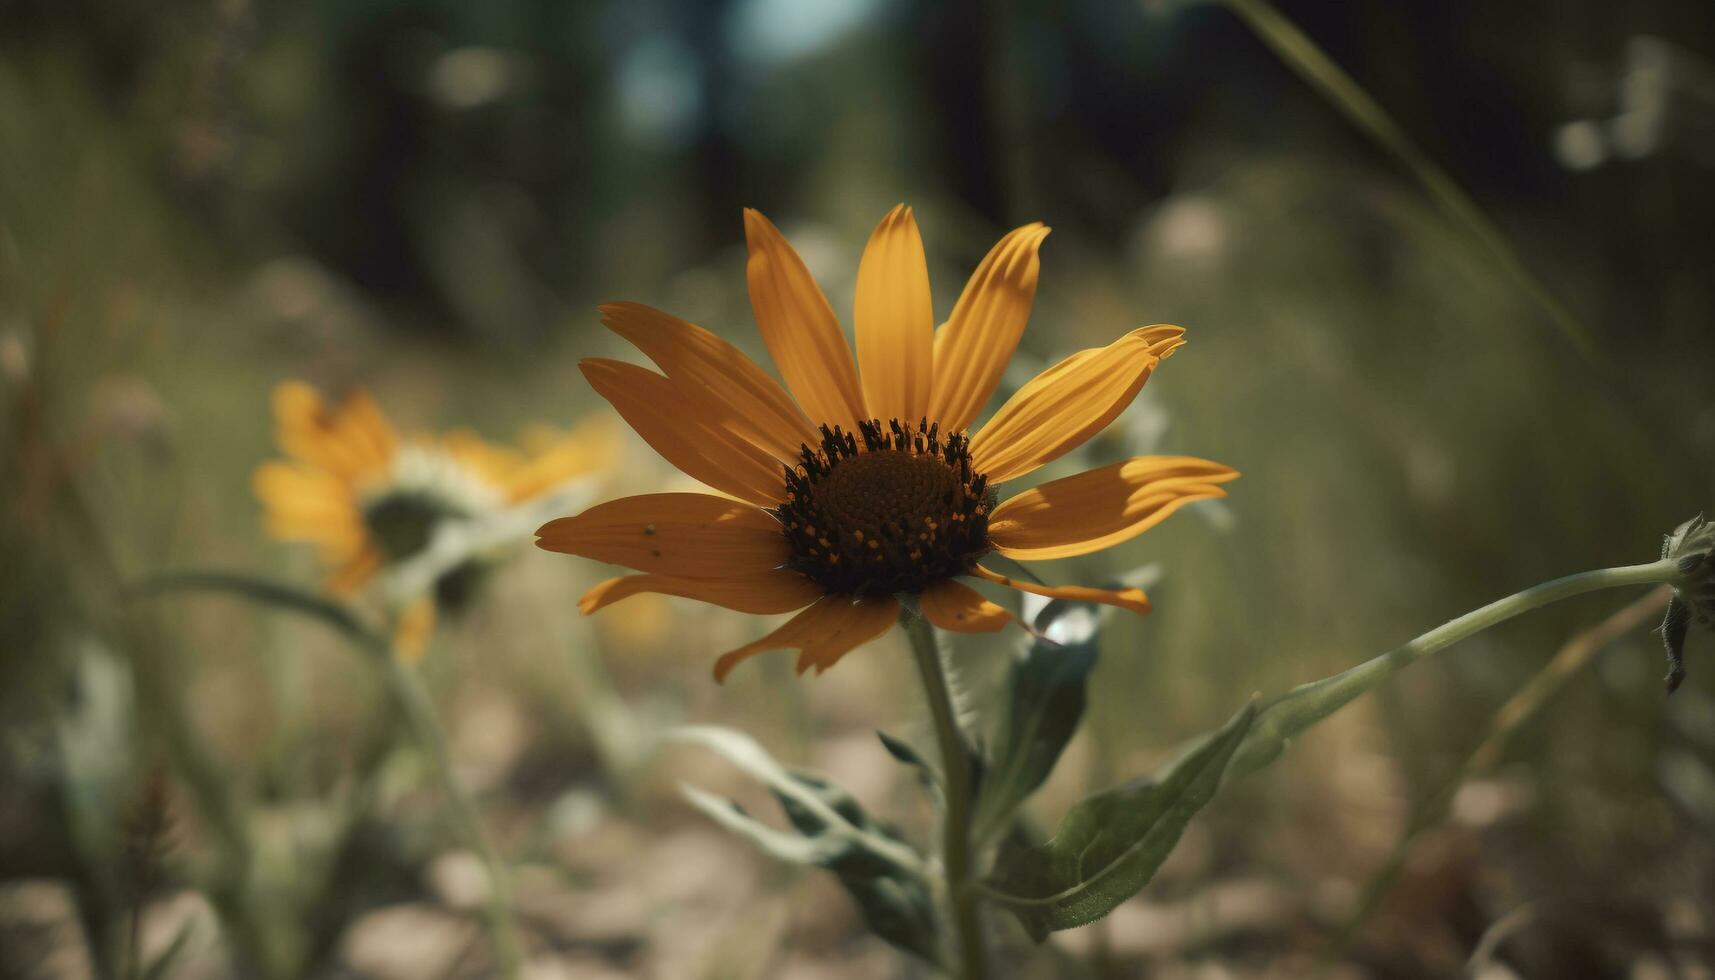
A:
(972, 957)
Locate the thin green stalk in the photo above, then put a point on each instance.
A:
(1308, 704)
(420, 715)
(1320, 72)
(962, 899)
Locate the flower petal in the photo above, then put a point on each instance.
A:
(973, 348)
(1098, 509)
(953, 605)
(1127, 598)
(823, 633)
(894, 320)
(558, 457)
(799, 328)
(703, 363)
(683, 535)
(775, 591)
(684, 434)
(1059, 409)
(303, 503)
(352, 439)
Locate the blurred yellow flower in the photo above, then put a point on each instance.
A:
(864, 486)
(368, 499)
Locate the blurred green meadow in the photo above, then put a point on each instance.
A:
(427, 200)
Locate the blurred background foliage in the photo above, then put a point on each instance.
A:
(198, 199)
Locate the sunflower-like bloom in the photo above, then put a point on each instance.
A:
(862, 486)
(367, 498)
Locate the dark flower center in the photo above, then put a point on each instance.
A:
(403, 523)
(889, 509)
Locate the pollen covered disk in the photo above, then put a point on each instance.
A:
(886, 509)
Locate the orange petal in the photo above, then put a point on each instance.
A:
(823, 633)
(683, 535)
(303, 503)
(1098, 509)
(492, 462)
(685, 435)
(1059, 409)
(972, 350)
(799, 328)
(557, 456)
(1127, 598)
(362, 423)
(895, 321)
(352, 439)
(952, 605)
(701, 362)
(775, 591)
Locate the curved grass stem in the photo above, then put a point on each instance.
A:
(1319, 71)
(970, 952)
(419, 711)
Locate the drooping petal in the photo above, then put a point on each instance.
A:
(953, 605)
(823, 633)
(1061, 408)
(1127, 598)
(701, 362)
(865, 620)
(684, 434)
(799, 328)
(973, 348)
(683, 535)
(895, 321)
(775, 591)
(1100, 508)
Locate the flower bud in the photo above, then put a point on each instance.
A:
(1691, 547)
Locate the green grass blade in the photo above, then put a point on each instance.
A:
(1313, 65)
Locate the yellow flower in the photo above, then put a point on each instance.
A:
(367, 498)
(864, 486)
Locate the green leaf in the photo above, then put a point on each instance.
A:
(898, 910)
(744, 752)
(831, 830)
(896, 907)
(904, 752)
(1046, 700)
(778, 844)
(264, 592)
(1110, 845)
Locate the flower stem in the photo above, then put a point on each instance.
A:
(972, 957)
(420, 715)
(1308, 704)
